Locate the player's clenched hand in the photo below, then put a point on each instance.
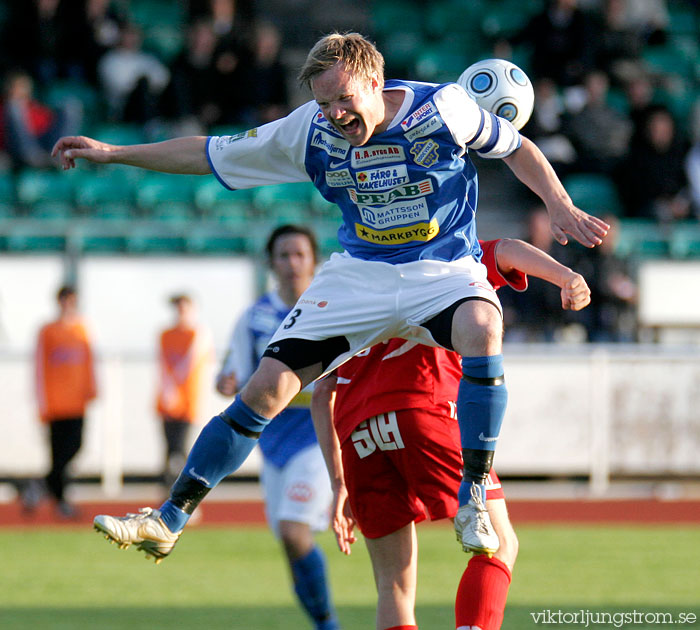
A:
(226, 384)
(70, 148)
(343, 520)
(568, 219)
(575, 294)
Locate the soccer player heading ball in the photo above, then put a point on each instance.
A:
(394, 157)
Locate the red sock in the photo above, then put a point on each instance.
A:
(482, 593)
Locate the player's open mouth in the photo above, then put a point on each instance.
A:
(350, 127)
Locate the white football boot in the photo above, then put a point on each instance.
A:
(473, 525)
(146, 530)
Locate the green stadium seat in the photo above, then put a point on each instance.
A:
(114, 211)
(643, 238)
(400, 48)
(441, 63)
(107, 187)
(160, 188)
(388, 16)
(7, 187)
(215, 201)
(593, 192)
(34, 186)
(683, 20)
(323, 207)
(175, 212)
(456, 17)
(165, 41)
(35, 236)
(685, 240)
(668, 60)
(58, 92)
(61, 210)
(207, 239)
(7, 210)
(267, 198)
(290, 212)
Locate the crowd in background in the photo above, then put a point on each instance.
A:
(600, 108)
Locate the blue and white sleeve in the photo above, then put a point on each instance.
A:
(473, 127)
(270, 154)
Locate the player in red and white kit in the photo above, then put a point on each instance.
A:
(393, 452)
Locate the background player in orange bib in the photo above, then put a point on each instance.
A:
(185, 353)
(65, 383)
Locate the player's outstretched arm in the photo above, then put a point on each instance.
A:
(516, 254)
(531, 167)
(322, 414)
(179, 155)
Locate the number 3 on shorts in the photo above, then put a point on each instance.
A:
(293, 316)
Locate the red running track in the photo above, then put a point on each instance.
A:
(645, 511)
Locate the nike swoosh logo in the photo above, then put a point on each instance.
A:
(191, 472)
(483, 438)
(333, 164)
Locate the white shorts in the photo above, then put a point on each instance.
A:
(368, 302)
(300, 491)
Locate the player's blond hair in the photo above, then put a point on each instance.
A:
(359, 56)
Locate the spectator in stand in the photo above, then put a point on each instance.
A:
(192, 96)
(94, 32)
(639, 92)
(619, 43)
(232, 58)
(612, 316)
(651, 178)
(535, 315)
(599, 133)
(132, 79)
(267, 77)
(185, 353)
(65, 384)
(28, 128)
(546, 124)
(32, 39)
(561, 38)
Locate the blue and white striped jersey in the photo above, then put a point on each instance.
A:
(408, 194)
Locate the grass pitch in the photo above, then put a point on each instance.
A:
(235, 578)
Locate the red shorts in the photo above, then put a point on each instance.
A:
(405, 466)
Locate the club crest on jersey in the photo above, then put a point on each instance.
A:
(339, 179)
(397, 236)
(223, 141)
(376, 154)
(417, 116)
(399, 213)
(406, 191)
(335, 147)
(424, 152)
(382, 178)
(424, 129)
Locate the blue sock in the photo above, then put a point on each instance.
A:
(311, 587)
(481, 404)
(218, 451)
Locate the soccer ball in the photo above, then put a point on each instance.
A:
(501, 88)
